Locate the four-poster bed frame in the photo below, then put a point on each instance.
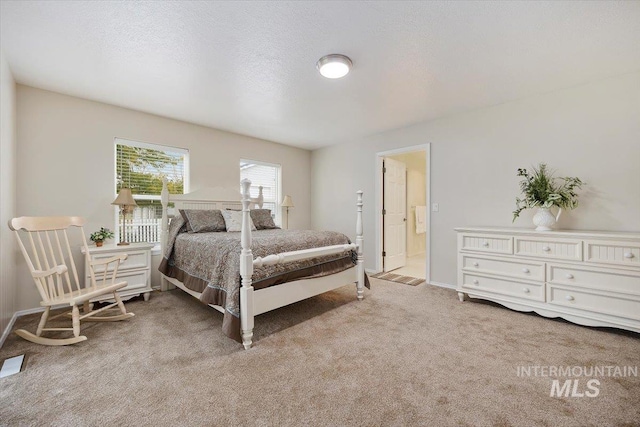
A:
(254, 302)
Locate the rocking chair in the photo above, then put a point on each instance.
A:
(51, 252)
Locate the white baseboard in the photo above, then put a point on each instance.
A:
(20, 313)
(370, 271)
(442, 285)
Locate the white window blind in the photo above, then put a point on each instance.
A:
(266, 175)
(141, 167)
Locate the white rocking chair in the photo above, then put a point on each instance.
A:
(50, 250)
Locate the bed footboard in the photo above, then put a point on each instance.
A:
(247, 309)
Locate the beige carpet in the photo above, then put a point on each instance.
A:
(405, 356)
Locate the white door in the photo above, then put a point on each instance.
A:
(394, 215)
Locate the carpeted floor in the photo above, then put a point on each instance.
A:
(405, 356)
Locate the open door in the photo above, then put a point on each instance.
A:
(394, 214)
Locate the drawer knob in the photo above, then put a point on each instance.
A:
(525, 270)
(569, 276)
(475, 281)
(569, 298)
(628, 255)
(475, 264)
(546, 248)
(525, 290)
(485, 244)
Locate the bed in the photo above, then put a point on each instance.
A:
(247, 273)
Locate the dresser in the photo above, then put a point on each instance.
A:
(587, 277)
(136, 269)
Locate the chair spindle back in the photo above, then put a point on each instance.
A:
(44, 242)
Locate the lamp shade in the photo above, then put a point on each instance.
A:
(287, 202)
(125, 198)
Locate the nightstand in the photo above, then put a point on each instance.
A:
(136, 269)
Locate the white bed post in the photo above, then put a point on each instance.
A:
(359, 243)
(246, 269)
(164, 234)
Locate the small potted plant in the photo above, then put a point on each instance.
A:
(542, 190)
(100, 236)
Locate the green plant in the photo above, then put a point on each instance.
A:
(103, 234)
(542, 189)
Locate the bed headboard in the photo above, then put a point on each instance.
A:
(205, 199)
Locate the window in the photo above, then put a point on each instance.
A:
(141, 167)
(266, 175)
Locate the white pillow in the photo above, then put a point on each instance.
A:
(233, 220)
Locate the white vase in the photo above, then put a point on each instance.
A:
(544, 220)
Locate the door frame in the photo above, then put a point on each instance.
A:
(379, 186)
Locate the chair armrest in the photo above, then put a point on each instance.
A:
(120, 258)
(117, 259)
(58, 269)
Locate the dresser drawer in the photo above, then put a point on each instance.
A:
(136, 259)
(612, 252)
(135, 279)
(549, 248)
(595, 278)
(522, 269)
(532, 291)
(594, 301)
(486, 243)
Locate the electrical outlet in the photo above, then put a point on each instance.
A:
(435, 207)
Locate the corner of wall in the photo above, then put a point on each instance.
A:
(7, 194)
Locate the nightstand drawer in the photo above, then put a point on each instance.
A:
(595, 278)
(135, 279)
(486, 243)
(508, 267)
(611, 252)
(595, 301)
(533, 291)
(135, 259)
(549, 248)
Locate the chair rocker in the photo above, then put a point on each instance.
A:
(50, 261)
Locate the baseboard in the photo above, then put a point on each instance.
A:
(442, 285)
(21, 313)
(370, 271)
(5, 334)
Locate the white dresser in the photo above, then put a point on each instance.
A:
(136, 269)
(587, 277)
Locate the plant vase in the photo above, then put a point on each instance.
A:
(99, 243)
(544, 220)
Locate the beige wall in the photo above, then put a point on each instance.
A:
(65, 160)
(416, 163)
(7, 192)
(591, 131)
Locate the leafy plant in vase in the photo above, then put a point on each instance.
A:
(543, 191)
(100, 236)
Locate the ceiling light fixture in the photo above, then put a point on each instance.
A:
(334, 66)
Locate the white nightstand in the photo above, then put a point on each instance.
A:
(136, 270)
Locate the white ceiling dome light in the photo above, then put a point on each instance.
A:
(334, 66)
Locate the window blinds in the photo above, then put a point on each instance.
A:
(141, 167)
(265, 175)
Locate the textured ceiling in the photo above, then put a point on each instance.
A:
(249, 67)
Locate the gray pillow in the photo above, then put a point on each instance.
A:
(262, 219)
(202, 221)
(233, 220)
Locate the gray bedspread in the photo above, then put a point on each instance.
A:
(210, 263)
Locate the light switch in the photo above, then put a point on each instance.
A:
(435, 207)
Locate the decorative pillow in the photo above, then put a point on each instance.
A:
(233, 220)
(262, 219)
(202, 221)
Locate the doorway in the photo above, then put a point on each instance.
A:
(403, 217)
